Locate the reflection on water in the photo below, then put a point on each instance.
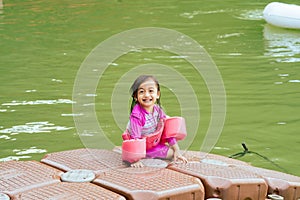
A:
(56, 80)
(256, 14)
(38, 102)
(282, 44)
(281, 123)
(294, 81)
(29, 151)
(71, 114)
(192, 14)
(230, 35)
(9, 158)
(221, 148)
(23, 153)
(6, 110)
(29, 91)
(284, 77)
(20, 153)
(34, 127)
(5, 137)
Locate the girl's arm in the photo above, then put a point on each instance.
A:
(137, 121)
(176, 153)
(136, 128)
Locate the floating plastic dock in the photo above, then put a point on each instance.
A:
(101, 174)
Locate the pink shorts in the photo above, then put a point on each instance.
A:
(159, 151)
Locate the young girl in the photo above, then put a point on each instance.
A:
(145, 116)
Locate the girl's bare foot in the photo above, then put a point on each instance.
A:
(137, 164)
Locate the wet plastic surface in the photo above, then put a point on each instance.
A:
(151, 183)
(18, 176)
(69, 191)
(285, 185)
(225, 182)
(211, 158)
(97, 160)
(102, 173)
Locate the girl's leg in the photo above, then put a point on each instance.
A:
(170, 154)
(159, 151)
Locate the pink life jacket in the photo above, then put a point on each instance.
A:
(133, 150)
(174, 127)
(152, 139)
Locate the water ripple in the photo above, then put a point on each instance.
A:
(38, 102)
(9, 158)
(282, 44)
(31, 150)
(34, 127)
(256, 14)
(192, 14)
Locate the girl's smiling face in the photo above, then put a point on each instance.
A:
(147, 94)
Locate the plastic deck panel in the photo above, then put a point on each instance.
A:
(18, 176)
(151, 184)
(211, 158)
(97, 160)
(68, 191)
(280, 183)
(223, 178)
(225, 182)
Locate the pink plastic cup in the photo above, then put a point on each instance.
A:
(174, 127)
(133, 150)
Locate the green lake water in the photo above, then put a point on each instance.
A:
(44, 43)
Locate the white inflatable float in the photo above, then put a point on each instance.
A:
(282, 15)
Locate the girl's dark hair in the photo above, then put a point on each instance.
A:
(135, 86)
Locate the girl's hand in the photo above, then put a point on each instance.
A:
(137, 164)
(178, 156)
